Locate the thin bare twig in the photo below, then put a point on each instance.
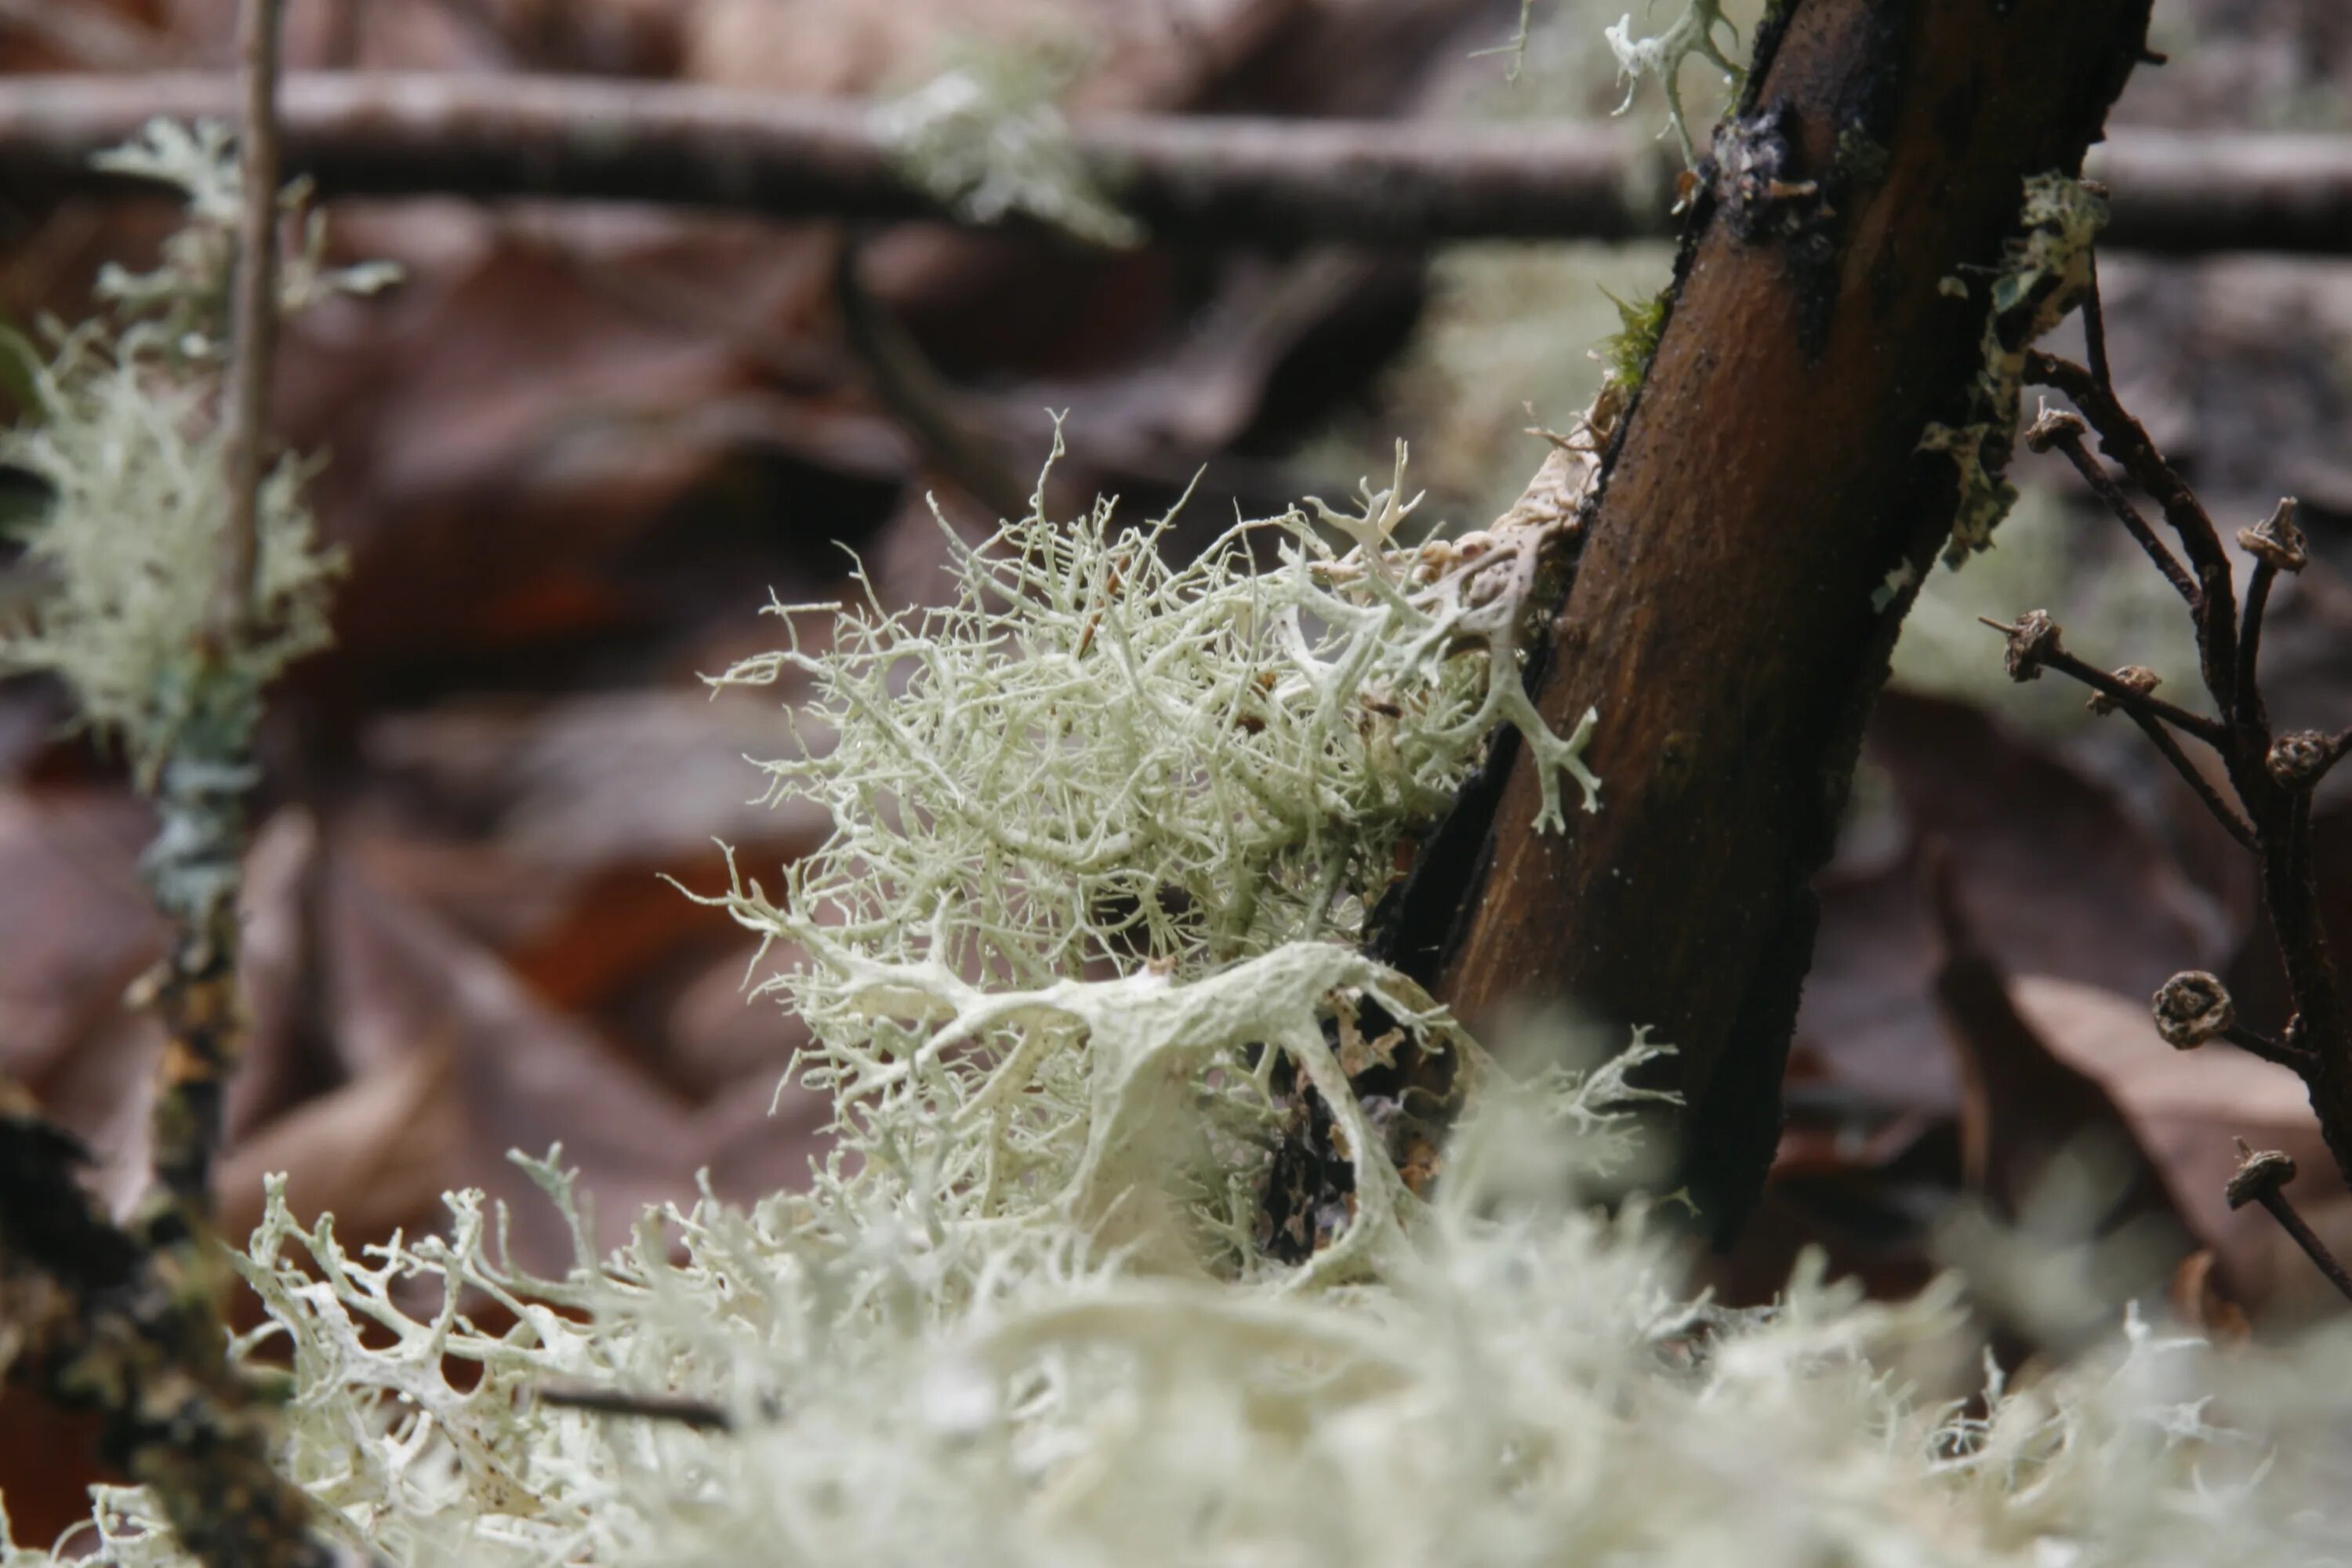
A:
(2285, 1053)
(2233, 822)
(695, 1415)
(256, 319)
(2262, 1178)
(2125, 440)
(2094, 328)
(2246, 703)
(2128, 698)
(2065, 435)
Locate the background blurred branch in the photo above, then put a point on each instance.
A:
(1185, 177)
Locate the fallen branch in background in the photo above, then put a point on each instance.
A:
(1185, 178)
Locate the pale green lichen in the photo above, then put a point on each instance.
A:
(122, 436)
(1690, 36)
(1194, 777)
(128, 542)
(2042, 275)
(182, 308)
(1525, 1384)
(987, 139)
(1091, 756)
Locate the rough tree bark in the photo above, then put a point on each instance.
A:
(1767, 480)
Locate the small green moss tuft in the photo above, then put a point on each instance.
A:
(1626, 354)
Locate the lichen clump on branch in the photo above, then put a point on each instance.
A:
(123, 439)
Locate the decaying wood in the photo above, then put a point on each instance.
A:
(1727, 617)
(1197, 178)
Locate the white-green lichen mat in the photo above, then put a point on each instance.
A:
(1104, 830)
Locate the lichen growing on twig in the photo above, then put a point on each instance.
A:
(987, 139)
(2044, 274)
(124, 440)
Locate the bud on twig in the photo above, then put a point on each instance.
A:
(2262, 1177)
(2052, 426)
(2277, 540)
(2192, 1009)
(2298, 759)
(2260, 1174)
(2034, 639)
(2138, 677)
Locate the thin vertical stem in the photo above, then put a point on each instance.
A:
(2094, 328)
(254, 321)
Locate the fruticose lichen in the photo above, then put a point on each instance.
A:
(122, 437)
(987, 139)
(1691, 34)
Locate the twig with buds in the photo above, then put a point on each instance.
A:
(2269, 776)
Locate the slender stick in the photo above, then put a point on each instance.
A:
(2292, 1222)
(2231, 821)
(2255, 1043)
(2133, 701)
(2262, 1178)
(2094, 328)
(256, 319)
(695, 1415)
(2108, 491)
(2246, 698)
(2125, 440)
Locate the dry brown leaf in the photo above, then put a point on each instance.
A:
(80, 925)
(525, 1077)
(2059, 876)
(610, 780)
(377, 1153)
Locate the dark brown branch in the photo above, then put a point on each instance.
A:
(2255, 1043)
(2095, 327)
(2233, 822)
(2246, 697)
(2273, 774)
(1217, 179)
(1727, 622)
(2034, 647)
